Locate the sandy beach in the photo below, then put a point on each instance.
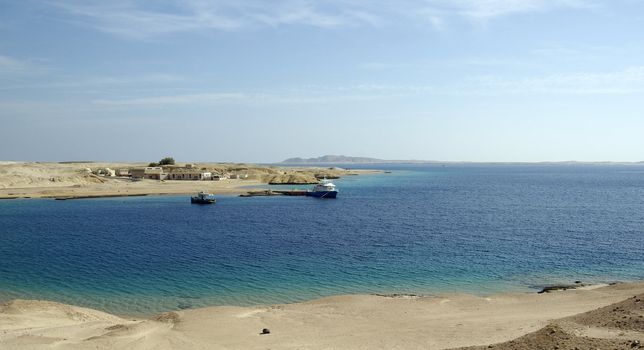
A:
(561, 319)
(70, 180)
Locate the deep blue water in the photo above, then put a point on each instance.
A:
(421, 229)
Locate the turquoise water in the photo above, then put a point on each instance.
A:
(421, 229)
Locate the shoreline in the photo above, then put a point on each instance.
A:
(153, 310)
(344, 322)
(70, 192)
(70, 181)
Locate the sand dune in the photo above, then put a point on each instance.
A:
(545, 321)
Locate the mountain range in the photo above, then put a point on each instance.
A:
(339, 159)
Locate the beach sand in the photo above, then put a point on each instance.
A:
(557, 320)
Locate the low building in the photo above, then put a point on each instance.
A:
(122, 172)
(154, 173)
(192, 174)
(137, 173)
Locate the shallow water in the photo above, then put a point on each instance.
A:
(421, 229)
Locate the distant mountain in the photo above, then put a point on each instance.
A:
(333, 159)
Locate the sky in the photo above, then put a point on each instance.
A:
(261, 81)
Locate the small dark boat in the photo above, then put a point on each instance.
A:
(203, 198)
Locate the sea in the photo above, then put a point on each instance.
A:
(414, 229)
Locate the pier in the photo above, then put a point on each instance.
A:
(266, 193)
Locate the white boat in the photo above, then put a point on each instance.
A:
(325, 189)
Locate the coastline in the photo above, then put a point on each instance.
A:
(342, 322)
(69, 181)
(129, 189)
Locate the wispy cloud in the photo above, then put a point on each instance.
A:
(287, 97)
(167, 93)
(125, 18)
(135, 19)
(458, 62)
(89, 83)
(9, 65)
(482, 9)
(626, 81)
(202, 98)
(144, 19)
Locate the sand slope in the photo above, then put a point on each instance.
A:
(617, 326)
(341, 322)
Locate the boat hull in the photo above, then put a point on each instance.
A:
(201, 201)
(322, 194)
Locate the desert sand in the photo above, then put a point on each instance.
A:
(61, 180)
(579, 318)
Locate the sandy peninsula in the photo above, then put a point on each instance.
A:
(72, 180)
(605, 317)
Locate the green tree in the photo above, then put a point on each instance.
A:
(167, 161)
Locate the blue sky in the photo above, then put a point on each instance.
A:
(260, 81)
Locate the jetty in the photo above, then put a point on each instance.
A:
(265, 193)
(64, 198)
